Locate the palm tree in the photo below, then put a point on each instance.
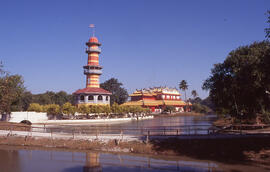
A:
(183, 86)
(194, 93)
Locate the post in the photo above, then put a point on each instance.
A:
(121, 134)
(164, 131)
(73, 133)
(177, 132)
(51, 134)
(147, 137)
(96, 134)
(44, 128)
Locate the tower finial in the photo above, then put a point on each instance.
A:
(93, 29)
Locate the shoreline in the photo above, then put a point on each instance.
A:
(85, 121)
(208, 149)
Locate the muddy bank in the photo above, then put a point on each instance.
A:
(231, 151)
(14, 126)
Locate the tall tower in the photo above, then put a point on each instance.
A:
(93, 70)
(92, 94)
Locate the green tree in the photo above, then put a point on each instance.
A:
(238, 86)
(119, 94)
(35, 107)
(115, 108)
(106, 109)
(68, 109)
(267, 30)
(169, 109)
(53, 109)
(194, 93)
(11, 90)
(183, 86)
(84, 109)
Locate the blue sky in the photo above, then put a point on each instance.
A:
(145, 43)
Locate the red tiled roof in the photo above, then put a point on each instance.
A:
(93, 39)
(92, 90)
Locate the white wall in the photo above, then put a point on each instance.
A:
(33, 117)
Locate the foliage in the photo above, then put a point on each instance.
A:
(35, 107)
(11, 90)
(169, 109)
(51, 97)
(119, 94)
(183, 86)
(84, 109)
(194, 93)
(115, 108)
(267, 30)
(198, 108)
(240, 84)
(68, 109)
(53, 109)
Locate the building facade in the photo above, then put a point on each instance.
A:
(157, 99)
(92, 94)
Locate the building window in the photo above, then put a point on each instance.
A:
(100, 97)
(82, 97)
(90, 97)
(107, 98)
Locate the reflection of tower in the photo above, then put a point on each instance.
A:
(92, 162)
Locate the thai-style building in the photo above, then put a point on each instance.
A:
(92, 94)
(157, 99)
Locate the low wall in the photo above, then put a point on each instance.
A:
(33, 117)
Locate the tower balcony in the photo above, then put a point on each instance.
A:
(92, 50)
(93, 71)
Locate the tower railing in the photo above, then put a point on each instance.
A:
(91, 49)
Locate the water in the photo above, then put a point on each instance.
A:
(13, 159)
(38, 161)
(157, 125)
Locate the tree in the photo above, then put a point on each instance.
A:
(35, 107)
(183, 86)
(119, 94)
(11, 90)
(68, 109)
(53, 109)
(194, 93)
(83, 109)
(267, 30)
(238, 85)
(169, 109)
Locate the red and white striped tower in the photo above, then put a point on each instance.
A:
(92, 94)
(92, 70)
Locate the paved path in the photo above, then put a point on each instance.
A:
(77, 136)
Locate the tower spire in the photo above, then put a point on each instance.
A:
(93, 29)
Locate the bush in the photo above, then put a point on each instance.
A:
(35, 107)
(198, 108)
(53, 109)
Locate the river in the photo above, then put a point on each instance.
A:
(14, 159)
(184, 124)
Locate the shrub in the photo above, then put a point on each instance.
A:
(35, 107)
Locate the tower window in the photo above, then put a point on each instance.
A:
(107, 98)
(100, 97)
(90, 97)
(82, 97)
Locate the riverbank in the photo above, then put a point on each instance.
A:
(181, 114)
(226, 150)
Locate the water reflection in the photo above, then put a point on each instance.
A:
(36, 160)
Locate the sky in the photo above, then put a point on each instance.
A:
(145, 43)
